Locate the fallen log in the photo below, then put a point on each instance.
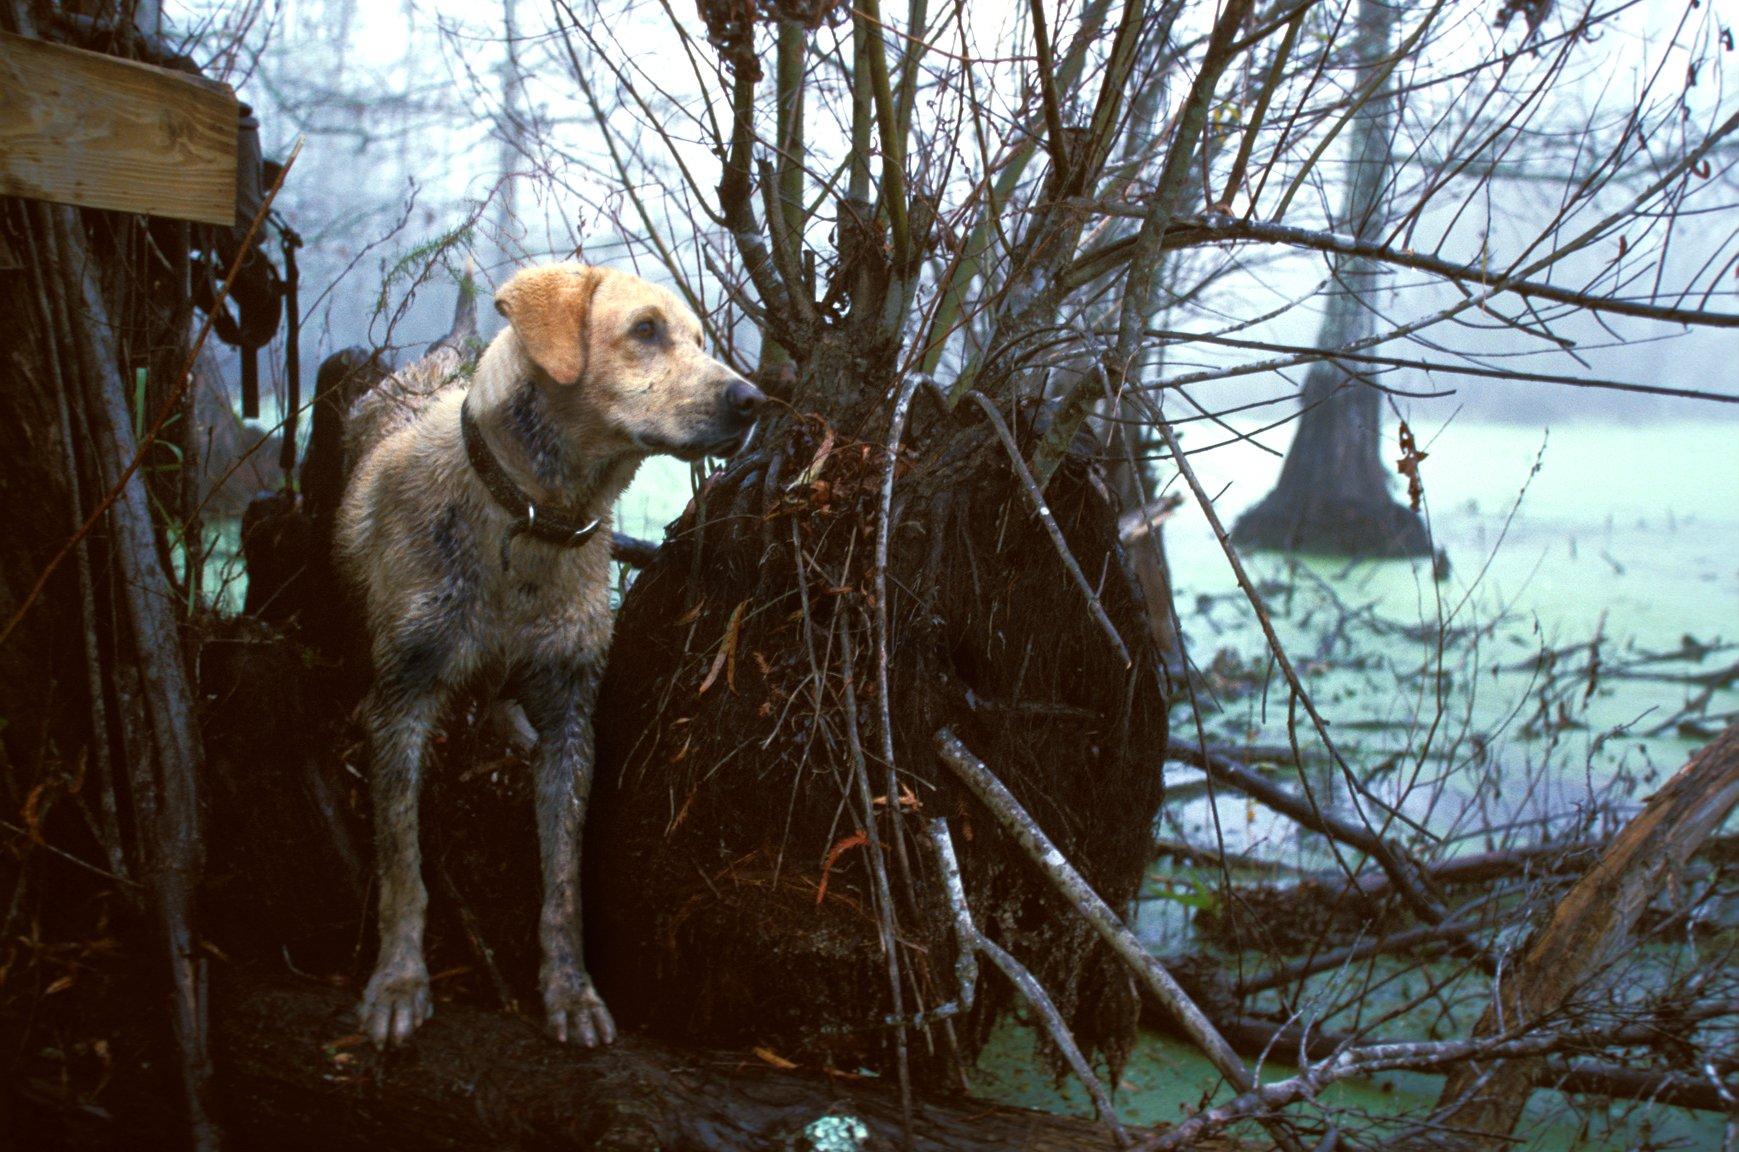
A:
(1589, 929)
(1271, 1041)
(294, 1075)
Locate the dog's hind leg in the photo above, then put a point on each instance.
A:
(402, 710)
(559, 699)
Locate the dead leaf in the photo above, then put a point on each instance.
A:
(768, 1056)
(727, 657)
(1408, 466)
(909, 801)
(808, 475)
(845, 844)
(682, 813)
(35, 805)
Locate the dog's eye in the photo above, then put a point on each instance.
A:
(645, 330)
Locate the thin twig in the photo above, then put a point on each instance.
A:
(68, 856)
(884, 530)
(1218, 228)
(884, 892)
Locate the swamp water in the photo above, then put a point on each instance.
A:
(1605, 539)
(1625, 542)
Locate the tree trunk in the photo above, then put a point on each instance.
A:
(1333, 492)
(729, 862)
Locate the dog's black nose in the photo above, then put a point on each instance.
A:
(744, 398)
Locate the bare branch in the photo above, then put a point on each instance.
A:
(1215, 228)
(1080, 895)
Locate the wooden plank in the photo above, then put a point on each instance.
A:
(82, 128)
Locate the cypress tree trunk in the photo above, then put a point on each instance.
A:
(1333, 492)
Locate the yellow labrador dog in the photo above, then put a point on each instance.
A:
(476, 529)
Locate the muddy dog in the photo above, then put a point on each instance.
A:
(476, 530)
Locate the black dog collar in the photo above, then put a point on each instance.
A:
(551, 525)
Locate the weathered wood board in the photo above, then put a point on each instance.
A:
(82, 128)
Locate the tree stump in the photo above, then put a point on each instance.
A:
(729, 878)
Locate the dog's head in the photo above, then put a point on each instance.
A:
(629, 359)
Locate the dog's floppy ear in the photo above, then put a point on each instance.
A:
(551, 310)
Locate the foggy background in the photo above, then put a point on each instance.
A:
(427, 120)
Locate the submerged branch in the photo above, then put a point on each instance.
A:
(1073, 888)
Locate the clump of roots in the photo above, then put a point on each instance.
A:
(744, 792)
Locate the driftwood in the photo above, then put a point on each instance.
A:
(287, 1056)
(1268, 1040)
(1588, 929)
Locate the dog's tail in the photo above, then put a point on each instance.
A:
(463, 333)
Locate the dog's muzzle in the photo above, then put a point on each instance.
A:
(742, 403)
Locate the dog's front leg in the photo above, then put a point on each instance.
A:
(397, 999)
(559, 702)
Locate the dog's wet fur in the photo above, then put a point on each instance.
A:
(597, 370)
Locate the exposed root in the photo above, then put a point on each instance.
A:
(749, 670)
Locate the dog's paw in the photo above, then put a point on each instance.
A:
(573, 1010)
(396, 1002)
